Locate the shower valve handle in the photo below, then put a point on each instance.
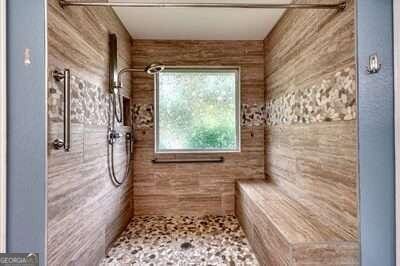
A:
(58, 144)
(113, 135)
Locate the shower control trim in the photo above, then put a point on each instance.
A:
(66, 77)
(58, 144)
(113, 135)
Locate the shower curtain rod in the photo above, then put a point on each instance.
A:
(338, 6)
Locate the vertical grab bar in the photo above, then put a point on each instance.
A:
(66, 142)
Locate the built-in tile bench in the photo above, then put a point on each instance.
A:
(282, 231)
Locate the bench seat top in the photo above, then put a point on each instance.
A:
(296, 223)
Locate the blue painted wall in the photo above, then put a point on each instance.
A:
(26, 129)
(376, 134)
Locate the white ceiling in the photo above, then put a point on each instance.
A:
(199, 23)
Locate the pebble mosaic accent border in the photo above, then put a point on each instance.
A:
(89, 103)
(332, 100)
(208, 240)
(251, 115)
(96, 105)
(143, 116)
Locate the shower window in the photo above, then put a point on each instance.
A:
(197, 110)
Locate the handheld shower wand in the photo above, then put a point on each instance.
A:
(115, 100)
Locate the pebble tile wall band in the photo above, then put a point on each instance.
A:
(89, 103)
(143, 115)
(251, 115)
(332, 100)
(182, 240)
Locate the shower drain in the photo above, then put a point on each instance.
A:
(186, 245)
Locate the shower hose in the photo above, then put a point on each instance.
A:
(113, 136)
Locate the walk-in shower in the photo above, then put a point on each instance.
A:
(115, 109)
(115, 103)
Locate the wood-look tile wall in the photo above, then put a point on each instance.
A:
(314, 160)
(85, 211)
(196, 189)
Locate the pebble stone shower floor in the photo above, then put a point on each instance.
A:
(182, 241)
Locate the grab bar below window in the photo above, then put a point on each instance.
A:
(196, 160)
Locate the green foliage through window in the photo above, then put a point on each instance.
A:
(197, 110)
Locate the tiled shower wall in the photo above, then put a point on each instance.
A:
(195, 189)
(85, 210)
(310, 138)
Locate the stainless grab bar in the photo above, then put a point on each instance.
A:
(197, 160)
(66, 142)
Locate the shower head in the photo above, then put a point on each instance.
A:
(154, 68)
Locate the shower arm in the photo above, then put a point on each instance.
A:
(151, 69)
(118, 84)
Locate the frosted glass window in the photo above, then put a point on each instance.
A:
(197, 110)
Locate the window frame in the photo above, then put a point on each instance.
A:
(234, 69)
